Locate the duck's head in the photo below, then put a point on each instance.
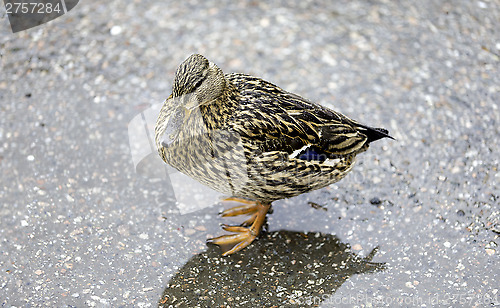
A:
(198, 82)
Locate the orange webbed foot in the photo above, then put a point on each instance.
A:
(246, 233)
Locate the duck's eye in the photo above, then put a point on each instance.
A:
(198, 84)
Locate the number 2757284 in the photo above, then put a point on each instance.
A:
(32, 8)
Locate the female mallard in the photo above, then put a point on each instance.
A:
(250, 139)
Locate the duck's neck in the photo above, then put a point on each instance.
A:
(217, 113)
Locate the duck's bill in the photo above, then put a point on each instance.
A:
(173, 127)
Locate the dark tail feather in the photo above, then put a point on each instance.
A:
(374, 134)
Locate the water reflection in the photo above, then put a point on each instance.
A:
(282, 269)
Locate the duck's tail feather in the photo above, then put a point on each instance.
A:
(374, 134)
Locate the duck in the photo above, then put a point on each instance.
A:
(253, 141)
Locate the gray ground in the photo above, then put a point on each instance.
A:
(80, 227)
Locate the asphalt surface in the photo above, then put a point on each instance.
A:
(81, 226)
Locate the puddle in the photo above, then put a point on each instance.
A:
(281, 268)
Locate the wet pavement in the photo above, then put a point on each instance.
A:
(416, 223)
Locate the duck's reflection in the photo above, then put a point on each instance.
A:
(281, 269)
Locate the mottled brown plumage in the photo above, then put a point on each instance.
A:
(248, 138)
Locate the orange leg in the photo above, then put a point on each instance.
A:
(248, 231)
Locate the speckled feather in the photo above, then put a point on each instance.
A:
(246, 137)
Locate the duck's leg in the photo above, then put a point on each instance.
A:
(248, 231)
(247, 207)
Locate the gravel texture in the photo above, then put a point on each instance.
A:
(80, 227)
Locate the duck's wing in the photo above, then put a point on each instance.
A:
(276, 120)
